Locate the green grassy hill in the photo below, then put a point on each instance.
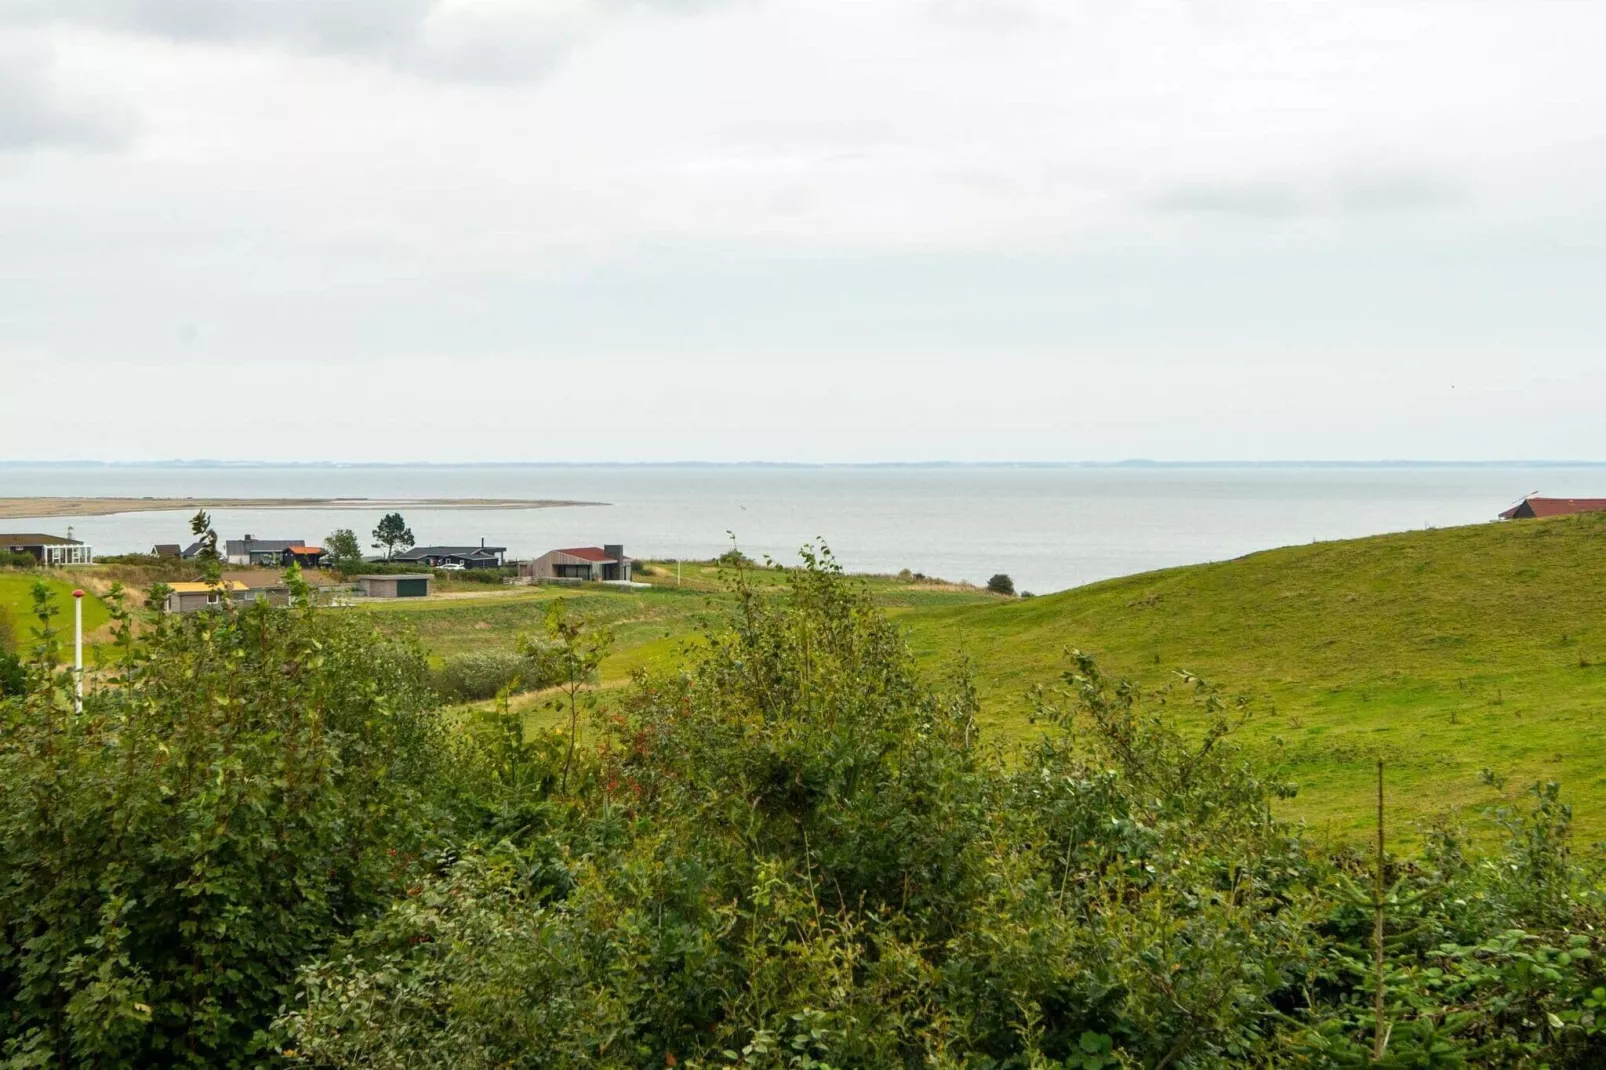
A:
(1443, 652)
(16, 596)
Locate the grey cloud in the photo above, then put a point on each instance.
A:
(35, 113)
(1361, 193)
(510, 41)
(1385, 192)
(319, 25)
(1259, 199)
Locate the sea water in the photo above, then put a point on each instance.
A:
(1049, 527)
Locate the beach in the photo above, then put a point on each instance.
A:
(11, 508)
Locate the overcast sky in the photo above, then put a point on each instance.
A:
(802, 229)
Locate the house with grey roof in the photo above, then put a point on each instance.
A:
(254, 551)
(481, 556)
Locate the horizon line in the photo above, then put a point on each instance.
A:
(1133, 462)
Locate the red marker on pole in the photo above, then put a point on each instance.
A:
(78, 647)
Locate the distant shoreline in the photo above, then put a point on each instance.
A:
(92, 506)
(1130, 463)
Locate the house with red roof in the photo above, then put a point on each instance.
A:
(596, 564)
(1535, 506)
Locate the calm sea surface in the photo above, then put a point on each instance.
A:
(1048, 527)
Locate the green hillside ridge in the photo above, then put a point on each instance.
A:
(1443, 652)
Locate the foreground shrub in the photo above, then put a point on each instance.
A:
(13, 678)
(797, 853)
(480, 674)
(246, 786)
(10, 641)
(259, 845)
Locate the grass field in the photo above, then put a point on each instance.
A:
(650, 625)
(1445, 653)
(16, 595)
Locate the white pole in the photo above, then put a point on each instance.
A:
(78, 646)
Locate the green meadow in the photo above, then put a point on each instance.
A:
(1472, 660)
(16, 597)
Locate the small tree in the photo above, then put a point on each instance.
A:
(570, 658)
(201, 528)
(392, 534)
(345, 552)
(1001, 584)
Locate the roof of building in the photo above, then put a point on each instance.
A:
(419, 552)
(261, 546)
(234, 587)
(166, 549)
(1556, 506)
(35, 539)
(304, 549)
(396, 576)
(595, 554)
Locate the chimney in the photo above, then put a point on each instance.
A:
(614, 550)
(482, 542)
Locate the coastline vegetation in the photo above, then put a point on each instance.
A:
(265, 841)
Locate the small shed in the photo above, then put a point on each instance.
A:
(395, 585)
(305, 556)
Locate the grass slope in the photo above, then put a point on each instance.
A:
(1442, 652)
(16, 595)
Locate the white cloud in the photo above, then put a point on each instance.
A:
(1025, 196)
(37, 112)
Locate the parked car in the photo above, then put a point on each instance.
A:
(451, 566)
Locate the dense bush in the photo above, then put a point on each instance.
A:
(379, 568)
(13, 680)
(482, 674)
(733, 558)
(146, 560)
(477, 575)
(795, 853)
(8, 559)
(242, 788)
(1000, 583)
(145, 569)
